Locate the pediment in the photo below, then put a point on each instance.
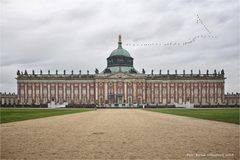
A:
(120, 76)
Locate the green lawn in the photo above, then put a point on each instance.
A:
(16, 114)
(230, 115)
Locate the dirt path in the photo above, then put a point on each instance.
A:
(119, 134)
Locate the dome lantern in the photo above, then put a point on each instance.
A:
(119, 41)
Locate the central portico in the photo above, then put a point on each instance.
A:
(120, 69)
(121, 89)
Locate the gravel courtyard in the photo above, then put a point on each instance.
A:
(119, 134)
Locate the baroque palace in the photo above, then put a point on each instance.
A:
(120, 84)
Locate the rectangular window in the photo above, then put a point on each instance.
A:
(68, 91)
(101, 91)
(45, 91)
(76, 91)
(195, 91)
(148, 91)
(37, 91)
(211, 91)
(139, 90)
(219, 92)
(179, 91)
(84, 91)
(22, 91)
(92, 91)
(29, 91)
(188, 91)
(52, 91)
(60, 91)
(129, 91)
(119, 90)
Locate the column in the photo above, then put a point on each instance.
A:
(25, 92)
(71, 91)
(56, 92)
(48, 92)
(106, 91)
(88, 91)
(33, 92)
(64, 91)
(80, 92)
(96, 92)
(125, 91)
(134, 99)
(144, 92)
(41, 92)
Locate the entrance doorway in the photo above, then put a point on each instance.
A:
(115, 100)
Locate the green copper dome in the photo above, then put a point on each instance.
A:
(120, 52)
(120, 61)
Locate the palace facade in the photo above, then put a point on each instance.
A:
(120, 84)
